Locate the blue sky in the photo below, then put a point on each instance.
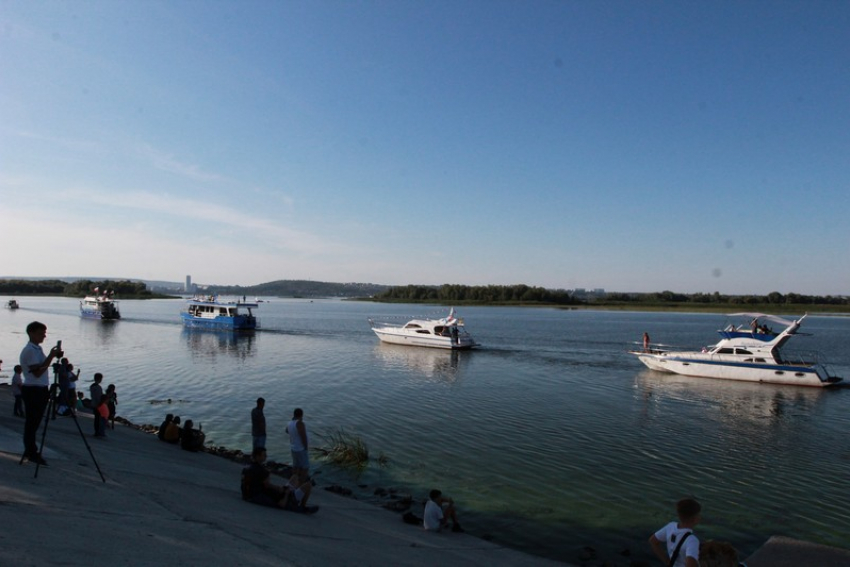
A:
(625, 145)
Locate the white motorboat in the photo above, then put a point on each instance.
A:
(750, 352)
(100, 306)
(448, 333)
(12, 304)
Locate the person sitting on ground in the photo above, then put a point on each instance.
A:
(258, 489)
(163, 426)
(83, 403)
(718, 554)
(299, 490)
(191, 439)
(438, 511)
(173, 431)
(682, 546)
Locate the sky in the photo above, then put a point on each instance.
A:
(640, 146)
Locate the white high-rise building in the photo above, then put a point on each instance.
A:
(188, 284)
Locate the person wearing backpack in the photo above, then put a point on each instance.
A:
(675, 544)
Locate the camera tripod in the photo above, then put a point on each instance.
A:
(49, 413)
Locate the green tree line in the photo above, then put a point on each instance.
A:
(454, 293)
(773, 298)
(79, 288)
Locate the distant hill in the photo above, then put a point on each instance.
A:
(299, 288)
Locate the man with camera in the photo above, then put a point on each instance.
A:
(36, 389)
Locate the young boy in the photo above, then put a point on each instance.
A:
(682, 546)
(17, 382)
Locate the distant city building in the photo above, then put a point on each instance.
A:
(188, 284)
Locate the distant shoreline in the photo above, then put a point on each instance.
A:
(682, 307)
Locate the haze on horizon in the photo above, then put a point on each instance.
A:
(630, 146)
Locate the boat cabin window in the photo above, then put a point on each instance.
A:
(725, 351)
(411, 326)
(423, 332)
(742, 351)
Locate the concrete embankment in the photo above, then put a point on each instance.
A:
(161, 505)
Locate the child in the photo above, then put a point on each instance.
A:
(98, 399)
(17, 382)
(111, 402)
(682, 546)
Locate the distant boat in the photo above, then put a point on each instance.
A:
(12, 304)
(445, 333)
(210, 313)
(750, 352)
(100, 306)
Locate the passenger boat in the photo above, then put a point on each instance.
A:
(211, 313)
(100, 306)
(750, 352)
(447, 333)
(12, 304)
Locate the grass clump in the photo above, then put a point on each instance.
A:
(344, 449)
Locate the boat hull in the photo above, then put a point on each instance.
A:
(712, 367)
(394, 336)
(102, 311)
(238, 323)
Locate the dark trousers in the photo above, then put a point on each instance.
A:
(99, 424)
(35, 402)
(19, 405)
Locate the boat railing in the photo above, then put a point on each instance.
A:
(802, 358)
(661, 348)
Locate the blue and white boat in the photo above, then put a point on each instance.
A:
(211, 313)
(100, 306)
(750, 352)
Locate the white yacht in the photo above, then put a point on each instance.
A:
(750, 352)
(100, 306)
(448, 333)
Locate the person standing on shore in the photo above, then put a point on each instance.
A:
(72, 389)
(36, 387)
(299, 444)
(111, 400)
(17, 382)
(258, 425)
(682, 546)
(97, 398)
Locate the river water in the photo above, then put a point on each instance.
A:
(550, 438)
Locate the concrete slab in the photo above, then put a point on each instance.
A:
(162, 505)
(782, 551)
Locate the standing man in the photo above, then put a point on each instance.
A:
(36, 389)
(299, 444)
(258, 425)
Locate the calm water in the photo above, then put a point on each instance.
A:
(550, 437)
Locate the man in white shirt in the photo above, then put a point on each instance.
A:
(36, 389)
(438, 511)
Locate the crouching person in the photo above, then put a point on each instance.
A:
(438, 511)
(258, 489)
